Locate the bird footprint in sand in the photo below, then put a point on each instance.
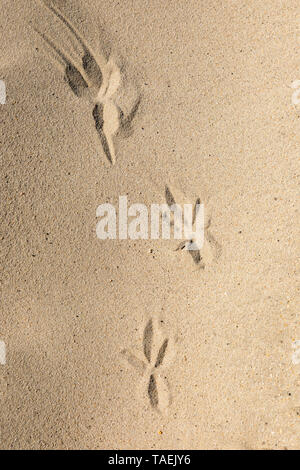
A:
(157, 352)
(210, 249)
(100, 76)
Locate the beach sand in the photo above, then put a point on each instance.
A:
(130, 344)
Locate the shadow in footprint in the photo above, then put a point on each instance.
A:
(152, 392)
(99, 123)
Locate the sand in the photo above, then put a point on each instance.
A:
(130, 344)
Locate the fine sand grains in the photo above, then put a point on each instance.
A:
(138, 344)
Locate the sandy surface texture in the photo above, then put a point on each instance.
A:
(133, 344)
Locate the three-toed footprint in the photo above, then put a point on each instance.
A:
(211, 249)
(92, 72)
(158, 353)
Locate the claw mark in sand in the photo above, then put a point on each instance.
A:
(157, 352)
(102, 77)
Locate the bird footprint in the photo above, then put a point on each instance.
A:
(157, 354)
(101, 77)
(210, 248)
